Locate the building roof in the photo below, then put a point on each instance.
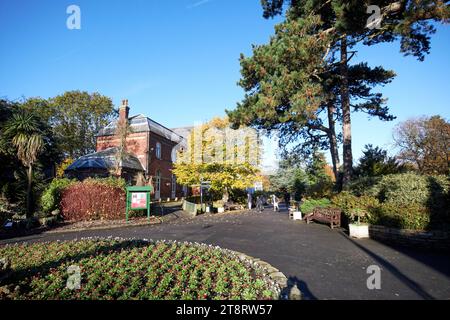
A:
(141, 123)
(105, 159)
(183, 131)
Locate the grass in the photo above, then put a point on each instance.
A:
(129, 269)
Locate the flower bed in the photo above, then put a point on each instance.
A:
(131, 269)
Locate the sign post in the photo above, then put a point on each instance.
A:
(138, 198)
(203, 185)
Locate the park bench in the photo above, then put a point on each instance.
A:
(331, 216)
(233, 206)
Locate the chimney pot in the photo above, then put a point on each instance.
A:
(124, 110)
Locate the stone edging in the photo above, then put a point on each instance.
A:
(434, 240)
(274, 274)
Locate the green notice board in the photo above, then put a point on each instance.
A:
(138, 198)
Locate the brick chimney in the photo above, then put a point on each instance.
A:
(123, 111)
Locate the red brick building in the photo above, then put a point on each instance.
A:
(153, 144)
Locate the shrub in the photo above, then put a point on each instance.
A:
(109, 181)
(348, 202)
(308, 205)
(362, 185)
(238, 196)
(404, 189)
(411, 216)
(51, 197)
(352, 205)
(93, 199)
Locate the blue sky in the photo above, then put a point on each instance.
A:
(177, 61)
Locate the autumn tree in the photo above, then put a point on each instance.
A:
(425, 142)
(227, 158)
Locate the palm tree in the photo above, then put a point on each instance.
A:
(25, 134)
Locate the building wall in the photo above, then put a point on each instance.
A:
(137, 144)
(143, 146)
(164, 165)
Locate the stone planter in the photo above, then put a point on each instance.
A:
(297, 215)
(359, 231)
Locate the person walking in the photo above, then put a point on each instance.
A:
(249, 201)
(259, 204)
(275, 203)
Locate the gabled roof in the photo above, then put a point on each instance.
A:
(105, 159)
(141, 123)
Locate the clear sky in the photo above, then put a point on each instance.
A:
(177, 61)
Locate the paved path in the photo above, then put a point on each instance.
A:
(325, 264)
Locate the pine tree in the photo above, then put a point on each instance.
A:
(304, 72)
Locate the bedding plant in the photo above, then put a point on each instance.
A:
(130, 269)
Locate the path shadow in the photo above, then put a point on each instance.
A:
(393, 270)
(301, 285)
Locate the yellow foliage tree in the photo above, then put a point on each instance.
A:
(211, 157)
(63, 166)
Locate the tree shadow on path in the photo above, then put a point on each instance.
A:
(393, 270)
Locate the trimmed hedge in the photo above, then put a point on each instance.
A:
(93, 200)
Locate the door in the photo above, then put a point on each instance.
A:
(158, 185)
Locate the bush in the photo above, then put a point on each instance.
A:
(308, 205)
(411, 216)
(93, 199)
(404, 189)
(51, 197)
(321, 189)
(348, 202)
(362, 185)
(238, 196)
(109, 181)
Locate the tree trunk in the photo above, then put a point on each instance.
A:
(29, 193)
(346, 125)
(333, 141)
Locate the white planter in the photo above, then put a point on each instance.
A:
(297, 215)
(359, 231)
(220, 210)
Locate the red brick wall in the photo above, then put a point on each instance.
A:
(164, 165)
(139, 145)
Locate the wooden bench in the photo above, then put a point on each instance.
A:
(233, 206)
(331, 216)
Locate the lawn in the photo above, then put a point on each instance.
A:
(129, 269)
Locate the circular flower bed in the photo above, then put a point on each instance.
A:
(129, 269)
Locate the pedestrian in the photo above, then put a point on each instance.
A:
(275, 203)
(249, 201)
(259, 204)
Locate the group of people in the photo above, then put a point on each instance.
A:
(261, 200)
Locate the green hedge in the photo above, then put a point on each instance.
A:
(408, 200)
(51, 197)
(308, 205)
